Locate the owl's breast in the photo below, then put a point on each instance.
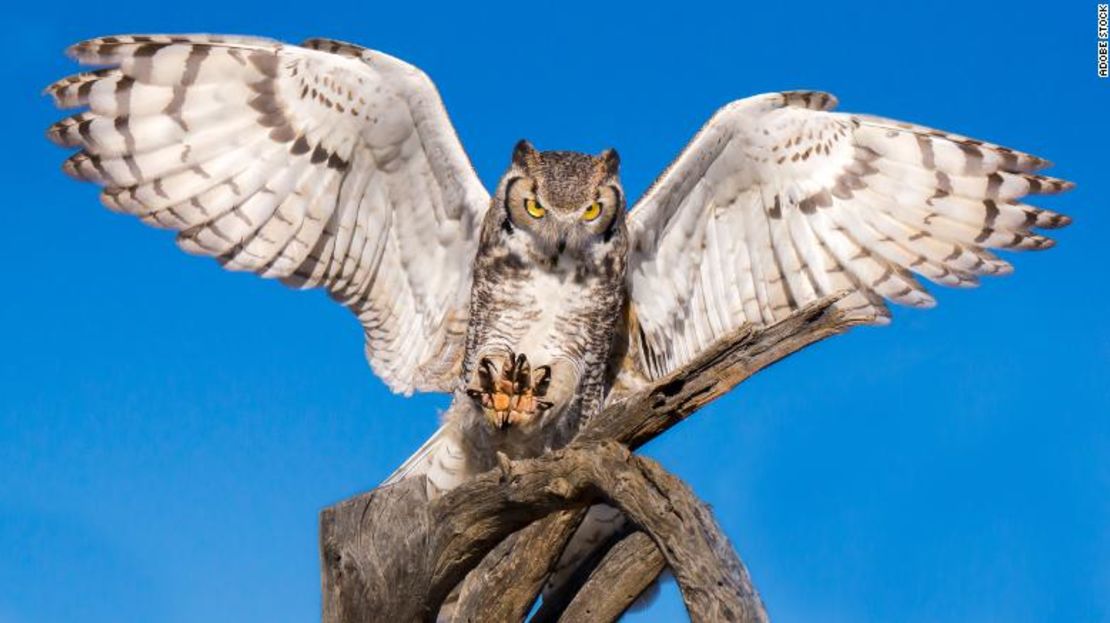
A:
(557, 303)
(547, 312)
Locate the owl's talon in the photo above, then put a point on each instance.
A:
(541, 380)
(523, 380)
(510, 396)
(487, 372)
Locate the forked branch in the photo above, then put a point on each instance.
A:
(393, 554)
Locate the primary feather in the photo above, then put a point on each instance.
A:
(327, 165)
(777, 202)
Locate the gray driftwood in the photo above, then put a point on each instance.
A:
(503, 587)
(391, 554)
(621, 576)
(733, 360)
(556, 598)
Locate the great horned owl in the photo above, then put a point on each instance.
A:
(330, 165)
(548, 288)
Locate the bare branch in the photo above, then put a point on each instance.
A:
(715, 585)
(427, 551)
(392, 554)
(640, 416)
(591, 549)
(503, 587)
(623, 574)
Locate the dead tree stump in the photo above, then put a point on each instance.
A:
(392, 554)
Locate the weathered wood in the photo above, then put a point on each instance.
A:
(517, 580)
(556, 597)
(431, 546)
(715, 585)
(622, 575)
(640, 416)
(392, 554)
(368, 545)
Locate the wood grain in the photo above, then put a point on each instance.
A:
(393, 554)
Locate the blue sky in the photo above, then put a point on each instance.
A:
(169, 431)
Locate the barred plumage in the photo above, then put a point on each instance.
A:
(777, 202)
(320, 169)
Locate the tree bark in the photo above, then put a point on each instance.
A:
(504, 587)
(639, 417)
(623, 574)
(393, 554)
(567, 582)
(442, 540)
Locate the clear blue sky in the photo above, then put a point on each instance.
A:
(169, 431)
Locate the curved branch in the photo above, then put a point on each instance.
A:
(715, 585)
(604, 530)
(447, 537)
(639, 416)
(623, 574)
(503, 587)
(393, 554)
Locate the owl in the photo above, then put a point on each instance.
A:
(331, 166)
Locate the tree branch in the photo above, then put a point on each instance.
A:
(391, 553)
(626, 570)
(640, 416)
(503, 587)
(460, 527)
(593, 547)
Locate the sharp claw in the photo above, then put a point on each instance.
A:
(541, 381)
(523, 376)
(486, 373)
(509, 394)
(508, 368)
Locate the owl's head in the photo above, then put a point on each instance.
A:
(566, 202)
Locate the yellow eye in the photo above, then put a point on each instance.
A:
(534, 209)
(592, 212)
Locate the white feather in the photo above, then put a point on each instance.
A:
(817, 202)
(338, 170)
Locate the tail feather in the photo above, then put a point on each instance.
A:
(441, 459)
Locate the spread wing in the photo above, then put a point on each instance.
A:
(327, 165)
(777, 202)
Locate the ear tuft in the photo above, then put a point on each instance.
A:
(524, 154)
(610, 161)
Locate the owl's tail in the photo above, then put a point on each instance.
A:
(441, 459)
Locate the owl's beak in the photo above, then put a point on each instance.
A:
(561, 245)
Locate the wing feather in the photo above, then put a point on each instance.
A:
(326, 165)
(777, 202)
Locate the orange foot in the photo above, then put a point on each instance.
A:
(512, 396)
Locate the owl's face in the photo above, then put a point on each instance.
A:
(567, 203)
